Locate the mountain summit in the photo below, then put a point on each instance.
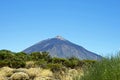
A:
(60, 37)
(60, 47)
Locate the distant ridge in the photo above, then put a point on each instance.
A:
(60, 47)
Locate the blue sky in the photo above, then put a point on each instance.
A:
(93, 24)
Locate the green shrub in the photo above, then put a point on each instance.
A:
(40, 55)
(12, 63)
(3, 63)
(106, 69)
(71, 62)
(16, 63)
(6, 54)
(41, 63)
(36, 55)
(88, 63)
(55, 67)
(23, 56)
(58, 60)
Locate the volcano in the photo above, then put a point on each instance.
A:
(60, 47)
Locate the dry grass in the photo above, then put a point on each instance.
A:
(44, 78)
(34, 72)
(70, 74)
(78, 75)
(37, 74)
(6, 72)
(30, 64)
(3, 78)
(46, 73)
(20, 70)
(19, 76)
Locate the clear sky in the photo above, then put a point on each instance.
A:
(93, 24)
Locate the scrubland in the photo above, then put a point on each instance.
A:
(41, 66)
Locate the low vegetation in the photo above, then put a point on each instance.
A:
(39, 59)
(39, 66)
(106, 69)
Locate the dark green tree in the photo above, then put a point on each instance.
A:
(6, 54)
(23, 56)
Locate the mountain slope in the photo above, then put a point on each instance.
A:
(59, 47)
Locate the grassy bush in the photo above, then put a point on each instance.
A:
(58, 60)
(16, 63)
(30, 64)
(13, 63)
(87, 63)
(71, 62)
(41, 63)
(40, 55)
(106, 69)
(23, 56)
(34, 72)
(38, 72)
(6, 54)
(3, 63)
(40, 59)
(55, 67)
